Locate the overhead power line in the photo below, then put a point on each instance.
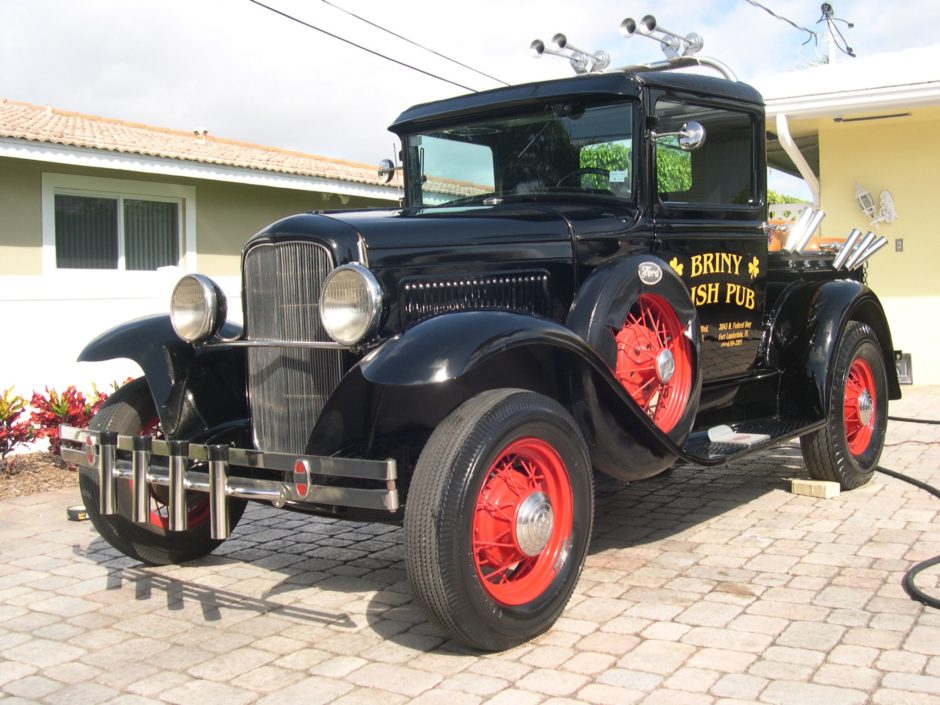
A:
(359, 46)
(412, 42)
(813, 36)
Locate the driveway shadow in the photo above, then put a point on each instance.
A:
(335, 556)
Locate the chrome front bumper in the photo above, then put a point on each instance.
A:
(140, 459)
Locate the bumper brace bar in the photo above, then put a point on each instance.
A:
(141, 462)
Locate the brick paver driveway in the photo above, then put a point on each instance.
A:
(702, 586)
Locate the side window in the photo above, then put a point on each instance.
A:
(721, 171)
(607, 166)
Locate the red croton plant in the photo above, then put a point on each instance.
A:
(57, 408)
(13, 432)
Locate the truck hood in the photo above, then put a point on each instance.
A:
(350, 233)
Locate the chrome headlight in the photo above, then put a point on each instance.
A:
(197, 308)
(350, 304)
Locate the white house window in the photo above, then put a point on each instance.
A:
(115, 233)
(98, 223)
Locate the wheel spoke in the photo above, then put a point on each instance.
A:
(524, 467)
(650, 328)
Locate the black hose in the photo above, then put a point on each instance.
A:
(932, 422)
(907, 582)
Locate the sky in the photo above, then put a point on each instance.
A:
(243, 72)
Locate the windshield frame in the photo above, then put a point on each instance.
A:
(568, 109)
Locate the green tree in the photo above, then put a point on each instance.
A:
(673, 167)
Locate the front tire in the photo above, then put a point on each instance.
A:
(130, 411)
(499, 518)
(847, 449)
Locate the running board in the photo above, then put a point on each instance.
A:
(777, 430)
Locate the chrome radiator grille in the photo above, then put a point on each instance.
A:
(287, 387)
(519, 291)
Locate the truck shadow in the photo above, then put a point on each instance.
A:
(349, 563)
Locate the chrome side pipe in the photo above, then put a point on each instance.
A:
(219, 526)
(107, 482)
(176, 504)
(140, 464)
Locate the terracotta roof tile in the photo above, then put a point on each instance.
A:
(49, 125)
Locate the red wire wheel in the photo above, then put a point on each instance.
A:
(654, 360)
(858, 407)
(522, 522)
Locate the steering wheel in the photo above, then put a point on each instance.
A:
(578, 173)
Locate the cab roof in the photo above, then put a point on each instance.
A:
(598, 85)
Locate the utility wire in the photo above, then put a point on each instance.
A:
(828, 16)
(813, 36)
(412, 42)
(359, 46)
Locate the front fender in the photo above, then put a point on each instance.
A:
(429, 370)
(805, 334)
(447, 347)
(193, 389)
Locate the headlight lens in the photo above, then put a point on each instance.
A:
(197, 308)
(350, 304)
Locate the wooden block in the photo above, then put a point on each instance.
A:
(815, 488)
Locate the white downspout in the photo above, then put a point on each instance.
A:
(789, 146)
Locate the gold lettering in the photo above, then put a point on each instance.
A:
(740, 296)
(696, 266)
(704, 294)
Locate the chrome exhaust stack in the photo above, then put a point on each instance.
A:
(219, 526)
(846, 250)
(107, 480)
(872, 249)
(184, 468)
(140, 463)
(176, 503)
(856, 256)
(803, 229)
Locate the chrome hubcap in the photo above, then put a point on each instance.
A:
(665, 366)
(534, 523)
(865, 407)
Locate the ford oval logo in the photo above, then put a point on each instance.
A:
(650, 273)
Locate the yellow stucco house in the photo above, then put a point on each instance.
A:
(99, 217)
(870, 125)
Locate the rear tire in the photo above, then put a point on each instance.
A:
(499, 518)
(129, 411)
(847, 449)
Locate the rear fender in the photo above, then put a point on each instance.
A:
(194, 389)
(805, 334)
(416, 379)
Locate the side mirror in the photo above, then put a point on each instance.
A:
(691, 136)
(387, 170)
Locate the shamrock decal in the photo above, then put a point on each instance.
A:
(754, 268)
(676, 265)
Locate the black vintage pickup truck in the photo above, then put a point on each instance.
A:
(578, 280)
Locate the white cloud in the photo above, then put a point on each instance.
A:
(246, 73)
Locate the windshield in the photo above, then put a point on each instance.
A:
(564, 148)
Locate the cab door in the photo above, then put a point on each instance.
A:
(708, 216)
